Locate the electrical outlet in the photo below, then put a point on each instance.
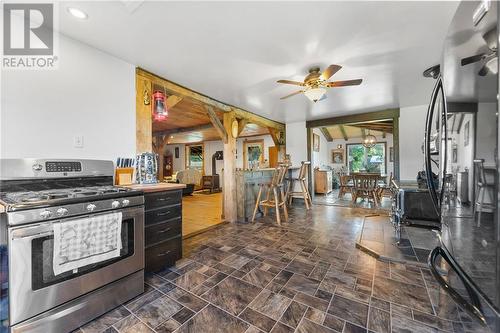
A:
(78, 141)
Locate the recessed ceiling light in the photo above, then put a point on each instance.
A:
(78, 13)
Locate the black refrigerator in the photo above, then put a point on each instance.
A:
(462, 137)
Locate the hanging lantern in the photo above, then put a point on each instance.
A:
(370, 140)
(160, 111)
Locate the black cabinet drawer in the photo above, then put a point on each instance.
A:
(163, 255)
(161, 231)
(162, 214)
(161, 199)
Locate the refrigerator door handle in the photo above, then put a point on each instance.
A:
(473, 308)
(427, 146)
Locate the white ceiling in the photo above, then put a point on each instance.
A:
(235, 51)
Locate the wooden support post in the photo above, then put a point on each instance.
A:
(363, 133)
(344, 134)
(143, 120)
(229, 190)
(223, 132)
(326, 134)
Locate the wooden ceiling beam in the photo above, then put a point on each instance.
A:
(241, 125)
(460, 122)
(217, 123)
(206, 100)
(277, 136)
(344, 134)
(172, 101)
(326, 134)
(453, 124)
(183, 130)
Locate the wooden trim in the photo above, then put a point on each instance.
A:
(241, 125)
(326, 134)
(395, 145)
(217, 124)
(355, 118)
(461, 107)
(260, 142)
(310, 170)
(204, 99)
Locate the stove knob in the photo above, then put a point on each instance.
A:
(37, 167)
(62, 212)
(46, 214)
(115, 204)
(125, 202)
(91, 207)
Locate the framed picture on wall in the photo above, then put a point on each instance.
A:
(391, 154)
(338, 156)
(466, 134)
(315, 142)
(176, 152)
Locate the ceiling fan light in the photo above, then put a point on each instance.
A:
(315, 94)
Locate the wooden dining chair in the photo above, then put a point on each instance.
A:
(365, 186)
(302, 180)
(344, 186)
(385, 189)
(275, 195)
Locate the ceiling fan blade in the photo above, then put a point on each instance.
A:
(329, 71)
(293, 94)
(473, 59)
(291, 82)
(344, 83)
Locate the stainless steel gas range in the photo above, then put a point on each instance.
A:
(37, 195)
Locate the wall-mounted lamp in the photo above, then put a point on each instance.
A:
(339, 146)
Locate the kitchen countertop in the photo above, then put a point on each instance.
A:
(158, 187)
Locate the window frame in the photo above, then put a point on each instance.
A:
(361, 144)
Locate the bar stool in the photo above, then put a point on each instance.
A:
(304, 193)
(482, 185)
(275, 195)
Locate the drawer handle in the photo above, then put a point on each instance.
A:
(164, 253)
(164, 230)
(163, 214)
(161, 199)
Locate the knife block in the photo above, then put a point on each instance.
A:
(124, 176)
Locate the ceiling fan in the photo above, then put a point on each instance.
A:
(315, 83)
(490, 57)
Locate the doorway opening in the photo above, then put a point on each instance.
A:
(354, 158)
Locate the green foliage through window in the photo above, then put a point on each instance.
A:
(362, 159)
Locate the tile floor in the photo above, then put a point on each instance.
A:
(305, 276)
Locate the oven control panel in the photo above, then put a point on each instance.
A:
(60, 166)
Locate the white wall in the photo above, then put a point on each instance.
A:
(296, 142)
(178, 163)
(411, 138)
(91, 94)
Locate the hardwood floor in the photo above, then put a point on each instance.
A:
(200, 212)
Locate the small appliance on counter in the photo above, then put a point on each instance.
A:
(146, 171)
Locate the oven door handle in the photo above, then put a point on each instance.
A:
(473, 308)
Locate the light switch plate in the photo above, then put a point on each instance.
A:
(78, 141)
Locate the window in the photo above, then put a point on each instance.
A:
(362, 159)
(194, 156)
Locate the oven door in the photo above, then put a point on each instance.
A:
(33, 286)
